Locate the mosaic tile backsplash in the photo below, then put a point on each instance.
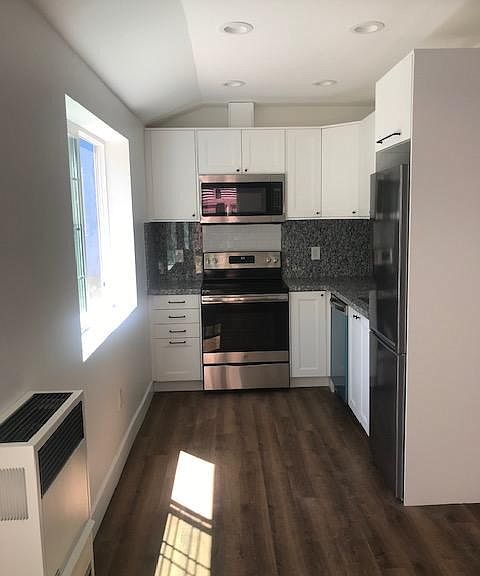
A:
(345, 248)
(173, 252)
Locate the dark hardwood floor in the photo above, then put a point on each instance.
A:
(295, 494)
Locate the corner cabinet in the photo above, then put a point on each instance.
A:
(358, 367)
(328, 170)
(171, 175)
(393, 101)
(308, 334)
(231, 151)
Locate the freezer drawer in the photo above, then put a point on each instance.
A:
(387, 412)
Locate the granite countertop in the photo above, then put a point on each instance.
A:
(353, 291)
(177, 286)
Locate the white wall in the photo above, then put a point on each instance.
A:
(40, 345)
(215, 115)
(443, 383)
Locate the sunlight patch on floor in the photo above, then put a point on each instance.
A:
(187, 540)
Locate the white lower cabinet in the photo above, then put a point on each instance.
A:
(358, 367)
(175, 336)
(308, 334)
(176, 359)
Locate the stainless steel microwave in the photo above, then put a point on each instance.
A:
(242, 198)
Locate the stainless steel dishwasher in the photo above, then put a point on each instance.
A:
(339, 347)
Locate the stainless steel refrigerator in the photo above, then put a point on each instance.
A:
(388, 317)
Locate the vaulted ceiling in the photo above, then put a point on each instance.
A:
(164, 56)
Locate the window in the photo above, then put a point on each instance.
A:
(102, 225)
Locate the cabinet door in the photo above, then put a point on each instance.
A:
(219, 151)
(176, 359)
(171, 175)
(358, 367)
(308, 330)
(393, 104)
(340, 171)
(263, 151)
(304, 173)
(367, 163)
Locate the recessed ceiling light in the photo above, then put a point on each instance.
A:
(237, 28)
(325, 83)
(234, 83)
(368, 27)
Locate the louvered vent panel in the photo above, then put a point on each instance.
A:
(27, 420)
(59, 447)
(13, 495)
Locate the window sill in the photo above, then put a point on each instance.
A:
(94, 336)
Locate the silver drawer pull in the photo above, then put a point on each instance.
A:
(177, 331)
(172, 317)
(176, 301)
(177, 342)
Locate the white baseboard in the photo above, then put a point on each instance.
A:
(113, 476)
(309, 382)
(180, 386)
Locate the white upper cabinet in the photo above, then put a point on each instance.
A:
(393, 105)
(171, 175)
(367, 163)
(340, 171)
(358, 367)
(308, 334)
(304, 172)
(219, 151)
(263, 151)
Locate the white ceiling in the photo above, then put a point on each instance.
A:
(164, 56)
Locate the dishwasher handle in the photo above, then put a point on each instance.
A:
(338, 304)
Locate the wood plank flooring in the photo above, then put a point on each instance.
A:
(295, 494)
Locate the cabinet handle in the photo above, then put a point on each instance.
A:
(172, 317)
(193, 215)
(177, 342)
(238, 169)
(317, 212)
(177, 331)
(356, 317)
(382, 140)
(354, 211)
(246, 169)
(176, 301)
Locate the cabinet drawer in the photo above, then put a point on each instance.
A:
(175, 301)
(176, 359)
(177, 316)
(175, 331)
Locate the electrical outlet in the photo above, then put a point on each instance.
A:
(315, 252)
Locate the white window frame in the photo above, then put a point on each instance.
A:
(115, 221)
(103, 213)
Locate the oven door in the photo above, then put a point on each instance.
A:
(245, 329)
(240, 199)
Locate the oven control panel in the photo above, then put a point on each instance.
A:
(240, 260)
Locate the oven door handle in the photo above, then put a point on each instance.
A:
(244, 298)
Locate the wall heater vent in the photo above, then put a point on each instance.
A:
(28, 418)
(59, 447)
(13, 495)
(44, 497)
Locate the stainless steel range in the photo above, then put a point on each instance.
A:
(245, 320)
